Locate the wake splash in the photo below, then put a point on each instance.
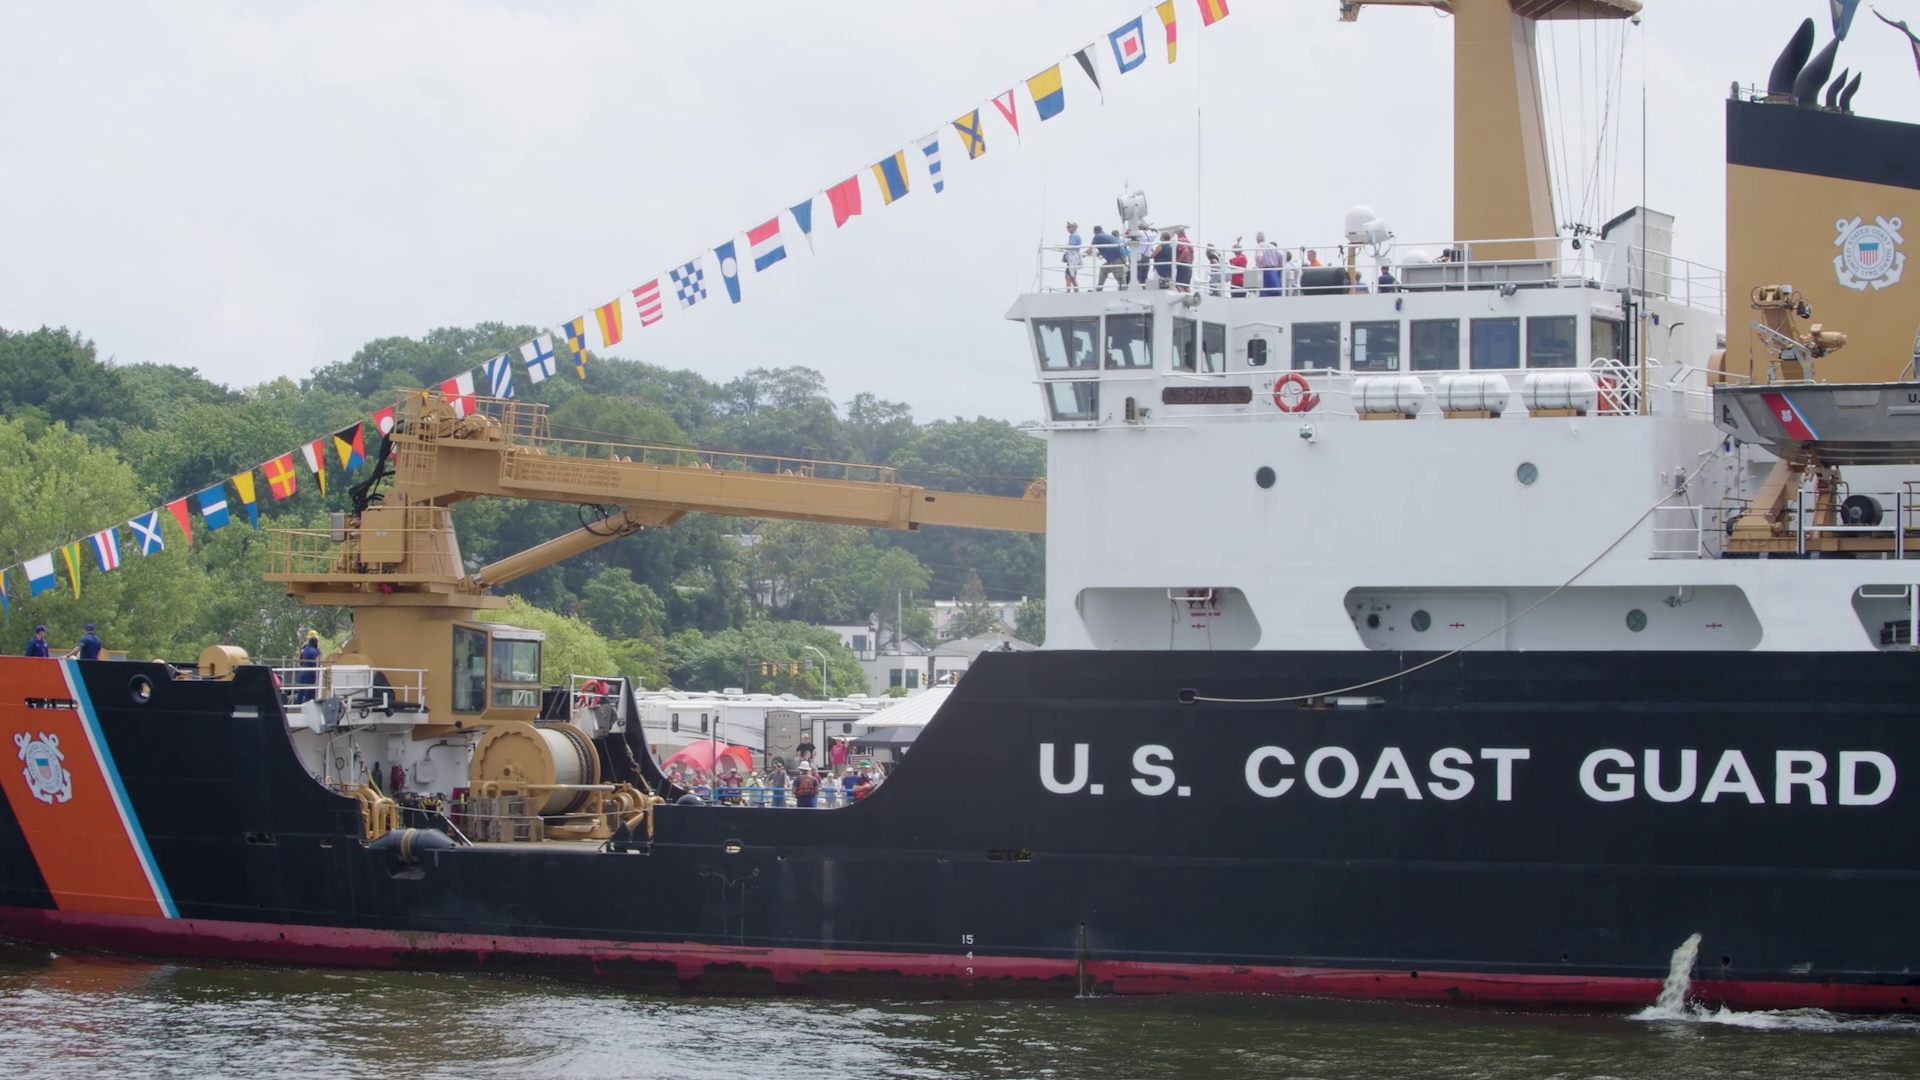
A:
(1673, 1007)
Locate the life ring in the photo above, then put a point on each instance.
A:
(1302, 400)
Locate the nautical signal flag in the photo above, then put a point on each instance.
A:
(1212, 11)
(845, 198)
(576, 338)
(930, 146)
(178, 508)
(383, 421)
(892, 174)
(608, 316)
(70, 554)
(213, 506)
(1129, 45)
(146, 533)
(1085, 58)
(281, 479)
(4, 609)
(1005, 104)
(316, 454)
(689, 283)
(106, 548)
(972, 135)
(1165, 10)
(646, 302)
(1049, 97)
(39, 573)
(500, 375)
(803, 217)
(538, 355)
(459, 393)
(243, 483)
(763, 243)
(729, 270)
(353, 452)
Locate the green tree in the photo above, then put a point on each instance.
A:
(57, 488)
(876, 428)
(598, 418)
(895, 575)
(793, 652)
(619, 607)
(975, 615)
(572, 647)
(1030, 622)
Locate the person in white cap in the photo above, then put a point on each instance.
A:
(806, 788)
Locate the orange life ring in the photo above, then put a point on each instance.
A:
(1302, 401)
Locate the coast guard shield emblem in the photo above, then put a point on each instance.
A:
(1869, 254)
(47, 777)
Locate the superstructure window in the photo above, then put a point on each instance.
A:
(1376, 346)
(1074, 400)
(1496, 343)
(1185, 346)
(1606, 340)
(1257, 352)
(1436, 344)
(1213, 347)
(1550, 340)
(1316, 346)
(1066, 344)
(1129, 341)
(469, 670)
(516, 661)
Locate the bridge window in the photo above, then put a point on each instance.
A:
(1074, 400)
(1376, 346)
(1213, 347)
(1185, 346)
(1550, 340)
(1436, 344)
(1496, 343)
(1129, 341)
(1606, 340)
(516, 672)
(1066, 344)
(469, 670)
(1316, 345)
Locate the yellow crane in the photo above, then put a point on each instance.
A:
(395, 561)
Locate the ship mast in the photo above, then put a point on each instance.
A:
(1502, 189)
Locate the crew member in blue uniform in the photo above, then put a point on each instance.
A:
(309, 667)
(37, 645)
(89, 647)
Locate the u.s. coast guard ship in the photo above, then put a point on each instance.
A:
(1486, 636)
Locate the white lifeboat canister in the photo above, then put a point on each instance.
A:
(1574, 390)
(1473, 393)
(1403, 394)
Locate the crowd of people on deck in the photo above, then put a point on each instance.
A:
(843, 779)
(1149, 258)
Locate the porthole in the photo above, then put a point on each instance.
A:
(1421, 620)
(1373, 621)
(1264, 476)
(1527, 473)
(1636, 620)
(140, 689)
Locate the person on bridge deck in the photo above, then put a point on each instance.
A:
(1387, 281)
(1239, 264)
(1269, 263)
(1113, 257)
(1072, 257)
(37, 644)
(1182, 261)
(1142, 255)
(309, 674)
(1163, 261)
(1216, 277)
(89, 647)
(806, 789)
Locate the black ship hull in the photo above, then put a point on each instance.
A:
(1515, 828)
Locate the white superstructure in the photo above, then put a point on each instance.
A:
(1416, 465)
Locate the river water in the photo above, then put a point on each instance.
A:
(80, 1017)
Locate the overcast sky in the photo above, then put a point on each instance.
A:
(255, 189)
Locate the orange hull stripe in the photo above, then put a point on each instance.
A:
(82, 833)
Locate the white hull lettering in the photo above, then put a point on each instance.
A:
(1610, 775)
(1048, 775)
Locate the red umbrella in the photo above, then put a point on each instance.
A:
(701, 755)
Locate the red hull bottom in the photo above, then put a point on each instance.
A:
(742, 969)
